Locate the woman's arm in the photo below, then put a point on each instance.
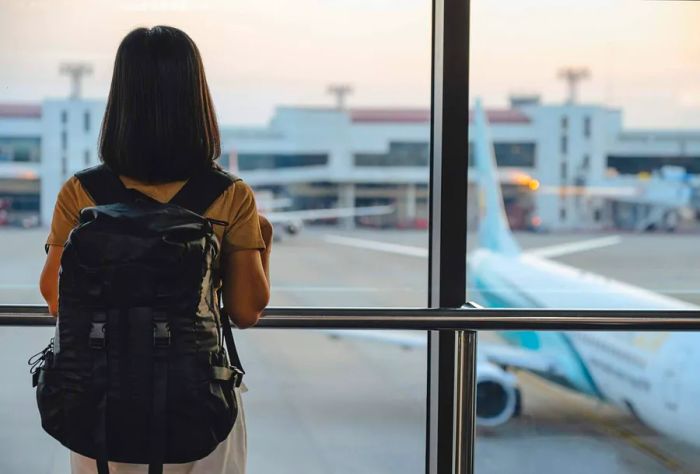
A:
(246, 281)
(48, 282)
(246, 291)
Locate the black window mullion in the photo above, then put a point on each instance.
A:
(448, 219)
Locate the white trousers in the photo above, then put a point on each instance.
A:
(228, 458)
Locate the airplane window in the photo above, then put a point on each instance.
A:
(618, 232)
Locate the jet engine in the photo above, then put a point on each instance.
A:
(497, 395)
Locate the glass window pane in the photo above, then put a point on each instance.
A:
(292, 128)
(583, 184)
(21, 436)
(581, 402)
(604, 216)
(323, 110)
(314, 402)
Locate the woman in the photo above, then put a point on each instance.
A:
(159, 128)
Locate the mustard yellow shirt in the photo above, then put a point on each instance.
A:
(236, 206)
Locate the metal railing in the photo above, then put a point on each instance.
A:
(470, 317)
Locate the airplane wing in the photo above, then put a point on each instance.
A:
(281, 217)
(549, 251)
(404, 339)
(495, 353)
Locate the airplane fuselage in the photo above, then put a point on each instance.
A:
(649, 374)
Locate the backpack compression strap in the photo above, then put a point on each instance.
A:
(202, 189)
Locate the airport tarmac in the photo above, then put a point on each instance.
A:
(321, 405)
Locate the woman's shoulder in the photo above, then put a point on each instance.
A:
(237, 207)
(238, 194)
(71, 185)
(72, 193)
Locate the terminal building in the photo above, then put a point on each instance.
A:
(559, 164)
(20, 155)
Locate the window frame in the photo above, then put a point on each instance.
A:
(451, 323)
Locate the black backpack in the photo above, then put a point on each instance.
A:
(138, 372)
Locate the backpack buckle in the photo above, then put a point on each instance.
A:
(161, 334)
(237, 376)
(97, 334)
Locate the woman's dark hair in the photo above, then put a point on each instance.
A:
(160, 123)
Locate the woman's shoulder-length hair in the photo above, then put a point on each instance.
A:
(160, 123)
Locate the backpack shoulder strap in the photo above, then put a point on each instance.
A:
(233, 357)
(203, 188)
(103, 185)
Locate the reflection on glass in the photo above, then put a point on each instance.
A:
(604, 215)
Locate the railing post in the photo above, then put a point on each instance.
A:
(465, 401)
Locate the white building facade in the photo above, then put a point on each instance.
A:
(70, 131)
(325, 157)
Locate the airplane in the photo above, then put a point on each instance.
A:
(288, 223)
(650, 375)
(292, 222)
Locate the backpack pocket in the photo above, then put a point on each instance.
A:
(49, 398)
(221, 407)
(201, 415)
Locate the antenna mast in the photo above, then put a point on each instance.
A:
(340, 92)
(573, 77)
(76, 72)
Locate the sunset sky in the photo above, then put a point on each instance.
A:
(644, 56)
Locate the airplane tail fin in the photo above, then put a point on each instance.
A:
(494, 231)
